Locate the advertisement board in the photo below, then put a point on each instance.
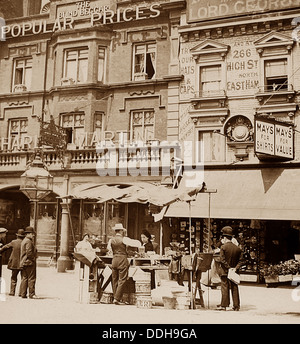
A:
(274, 138)
(199, 10)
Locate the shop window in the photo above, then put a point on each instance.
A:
(276, 75)
(76, 65)
(116, 213)
(210, 147)
(22, 75)
(101, 64)
(144, 61)
(93, 219)
(210, 80)
(17, 129)
(142, 125)
(74, 126)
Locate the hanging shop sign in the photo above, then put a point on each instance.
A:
(274, 139)
(199, 10)
(66, 19)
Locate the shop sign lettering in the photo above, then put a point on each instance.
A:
(66, 20)
(242, 68)
(276, 139)
(199, 10)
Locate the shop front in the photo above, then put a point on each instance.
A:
(262, 207)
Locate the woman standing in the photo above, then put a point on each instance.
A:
(146, 241)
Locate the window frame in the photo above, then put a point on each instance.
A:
(103, 81)
(11, 135)
(131, 131)
(215, 63)
(73, 127)
(274, 59)
(200, 151)
(77, 50)
(134, 64)
(23, 83)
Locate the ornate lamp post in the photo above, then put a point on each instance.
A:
(36, 183)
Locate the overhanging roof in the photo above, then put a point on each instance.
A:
(266, 194)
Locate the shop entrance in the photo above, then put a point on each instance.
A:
(14, 214)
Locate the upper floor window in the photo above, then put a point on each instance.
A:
(17, 128)
(210, 79)
(73, 123)
(210, 147)
(144, 61)
(76, 65)
(276, 74)
(22, 74)
(142, 125)
(101, 64)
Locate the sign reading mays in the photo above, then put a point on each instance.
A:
(199, 10)
(274, 138)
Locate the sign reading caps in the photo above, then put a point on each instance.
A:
(199, 10)
(274, 138)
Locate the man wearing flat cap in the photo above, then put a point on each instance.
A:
(14, 259)
(230, 257)
(3, 232)
(118, 245)
(28, 264)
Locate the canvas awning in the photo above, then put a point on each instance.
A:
(264, 194)
(159, 195)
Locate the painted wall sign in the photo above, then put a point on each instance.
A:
(67, 20)
(242, 68)
(274, 138)
(199, 10)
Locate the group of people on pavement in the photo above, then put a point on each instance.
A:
(231, 257)
(22, 260)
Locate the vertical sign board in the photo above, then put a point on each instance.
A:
(274, 138)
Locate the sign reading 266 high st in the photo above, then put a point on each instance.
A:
(274, 138)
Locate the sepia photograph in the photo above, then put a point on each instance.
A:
(149, 164)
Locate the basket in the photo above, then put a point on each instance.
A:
(169, 302)
(144, 302)
(107, 298)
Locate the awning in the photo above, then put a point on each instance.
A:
(4, 187)
(159, 195)
(263, 194)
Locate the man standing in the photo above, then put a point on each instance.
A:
(230, 257)
(28, 264)
(14, 259)
(120, 265)
(3, 232)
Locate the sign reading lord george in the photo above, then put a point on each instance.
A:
(273, 138)
(206, 9)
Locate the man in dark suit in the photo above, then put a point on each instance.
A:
(230, 257)
(14, 259)
(28, 264)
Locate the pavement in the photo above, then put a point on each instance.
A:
(58, 303)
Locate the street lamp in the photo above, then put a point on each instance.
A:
(36, 182)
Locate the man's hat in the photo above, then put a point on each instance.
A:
(227, 230)
(29, 229)
(20, 233)
(3, 230)
(118, 226)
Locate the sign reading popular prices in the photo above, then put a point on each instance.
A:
(273, 138)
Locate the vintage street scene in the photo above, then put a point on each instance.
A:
(149, 164)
